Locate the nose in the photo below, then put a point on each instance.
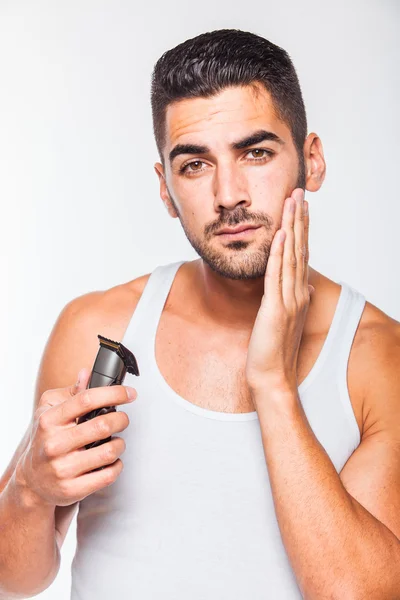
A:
(229, 187)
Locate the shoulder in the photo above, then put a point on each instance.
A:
(377, 365)
(374, 361)
(124, 296)
(109, 309)
(106, 312)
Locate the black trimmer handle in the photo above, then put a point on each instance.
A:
(112, 362)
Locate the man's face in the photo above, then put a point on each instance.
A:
(220, 186)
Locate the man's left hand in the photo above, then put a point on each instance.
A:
(275, 340)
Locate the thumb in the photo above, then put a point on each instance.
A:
(47, 402)
(82, 381)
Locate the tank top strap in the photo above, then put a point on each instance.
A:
(352, 309)
(144, 321)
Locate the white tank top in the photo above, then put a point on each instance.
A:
(191, 516)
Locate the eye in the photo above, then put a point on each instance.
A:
(188, 169)
(184, 168)
(268, 153)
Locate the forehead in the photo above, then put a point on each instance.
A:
(230, 110)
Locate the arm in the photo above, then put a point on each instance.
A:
(342, 532)
(30, 556)
(337, 548)
(72, 345)
(29, 538)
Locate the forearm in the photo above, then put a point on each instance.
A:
(29, 555)
(336, 547)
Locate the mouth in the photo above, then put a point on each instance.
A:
(242, 231)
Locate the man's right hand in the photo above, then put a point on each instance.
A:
(56, 468)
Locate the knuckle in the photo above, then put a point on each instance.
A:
(50, 448)
(43, 422)
(65, 489)
(109, 453)
(301, 251)
(293, 262)
(45, 396)
(111, 474)
(59, 470)
(101, 426)
(85, 399)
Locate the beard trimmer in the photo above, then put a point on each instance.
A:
(112, 362)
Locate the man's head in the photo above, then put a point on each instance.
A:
(231, 131)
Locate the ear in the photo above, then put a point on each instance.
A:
(164, 195)
(315, 162)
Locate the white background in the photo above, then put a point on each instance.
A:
(77, 155)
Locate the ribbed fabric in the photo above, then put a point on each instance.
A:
(191, 516)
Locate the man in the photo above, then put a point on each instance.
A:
(262, 455)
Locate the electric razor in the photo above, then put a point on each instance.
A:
(112, 362)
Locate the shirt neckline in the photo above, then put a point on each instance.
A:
(252, 415)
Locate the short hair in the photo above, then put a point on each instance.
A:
(203, 66)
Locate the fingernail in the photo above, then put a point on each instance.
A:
(305, 207)
(79, 377)
(132, 394)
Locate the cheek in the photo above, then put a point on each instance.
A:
(274, 177)
(194, 188)
(267, 193)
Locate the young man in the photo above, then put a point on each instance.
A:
(262, 454)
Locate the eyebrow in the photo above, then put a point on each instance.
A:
(256, 137)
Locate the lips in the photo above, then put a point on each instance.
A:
(238, 229)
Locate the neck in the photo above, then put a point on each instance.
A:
(230, 303)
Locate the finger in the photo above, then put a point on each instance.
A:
(289, 257)
(306, 241)
(273, 273)
(299, 244)
(99, 428)
(81, 383)
(87, 400)
(84, 462)
(85, 485)
(55, 397)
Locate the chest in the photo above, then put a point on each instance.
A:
(208, 369)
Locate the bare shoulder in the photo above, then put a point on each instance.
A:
(374, 362)
(73, 342)
(118, 305)
(72, 345)
(376, 365)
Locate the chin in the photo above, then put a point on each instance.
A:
(237, 260)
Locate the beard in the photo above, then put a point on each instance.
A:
(235, 263)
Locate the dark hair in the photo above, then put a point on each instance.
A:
(206, 64)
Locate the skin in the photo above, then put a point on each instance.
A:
(262, 286)
(229, 187)
(272, 352)
(236, 288)
(228, 290)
